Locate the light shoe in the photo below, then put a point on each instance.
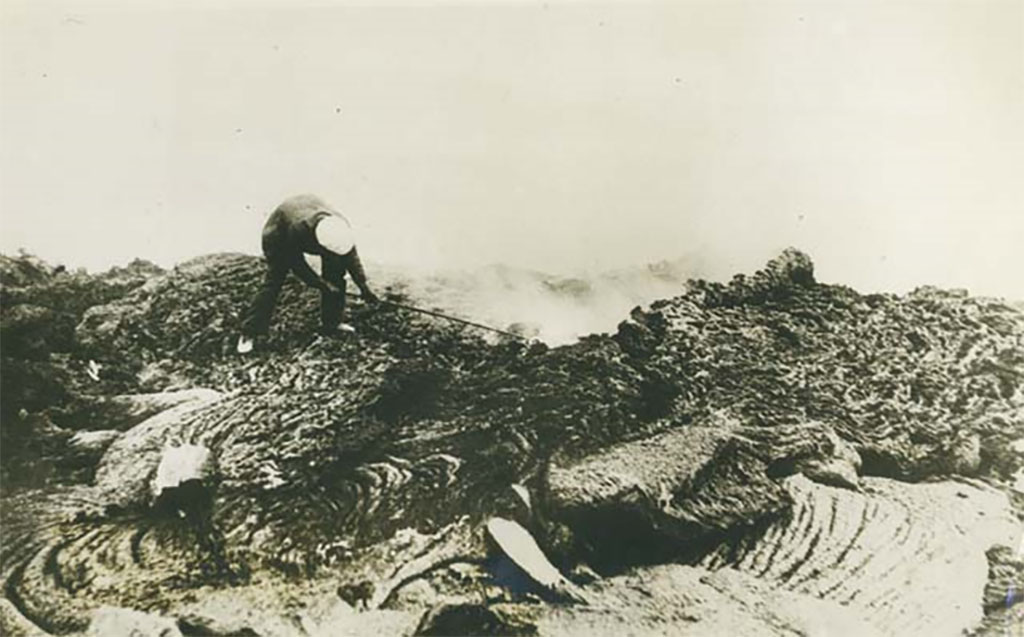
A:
(244, 345)
(343, 329)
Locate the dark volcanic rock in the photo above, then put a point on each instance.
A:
(654, 499)
(473, 619)
(791, 267)
(42, 365)
(1004, 592)
(31, 331)
(688, 433)
(1005, 578)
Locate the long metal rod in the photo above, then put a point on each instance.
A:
(444, 316)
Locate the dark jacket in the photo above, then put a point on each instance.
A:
(290, 233)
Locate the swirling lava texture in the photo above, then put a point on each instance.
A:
(771, 439)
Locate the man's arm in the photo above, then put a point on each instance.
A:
(311, 278)
(354, 265)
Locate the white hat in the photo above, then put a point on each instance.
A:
(335, 234)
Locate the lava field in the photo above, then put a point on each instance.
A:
(772, 455)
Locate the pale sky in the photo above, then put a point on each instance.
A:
(886, 139)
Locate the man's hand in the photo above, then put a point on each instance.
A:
(368, 296)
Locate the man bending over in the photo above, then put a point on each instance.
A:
(306, 225)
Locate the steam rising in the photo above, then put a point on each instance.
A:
(553, 309)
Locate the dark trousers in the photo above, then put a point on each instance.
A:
(332, 306)
(256, 321)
